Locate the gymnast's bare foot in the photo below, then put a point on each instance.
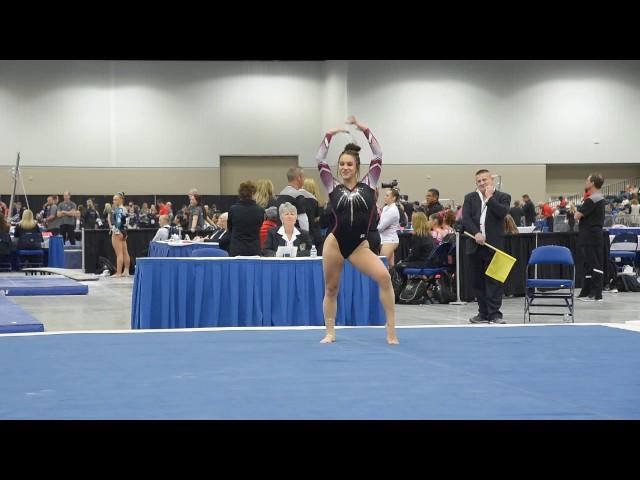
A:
(392, 339)
(329, 338)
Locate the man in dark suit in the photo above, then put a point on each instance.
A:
(483, 217)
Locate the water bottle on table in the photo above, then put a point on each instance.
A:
(314, 252)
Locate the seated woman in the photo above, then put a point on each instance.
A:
(442, 225)
(287, 235)
(28, 234)
(510, 226)
(422, 244)
(5, 237)
(221, 236)
(270, 221)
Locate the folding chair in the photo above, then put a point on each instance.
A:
(549, 255)
(623, 250)
(31, 258)
(439, 265)
(209, 252)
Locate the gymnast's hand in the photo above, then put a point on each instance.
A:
(333, 131)
(352, 120)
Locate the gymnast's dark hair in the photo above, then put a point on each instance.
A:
(352, 149)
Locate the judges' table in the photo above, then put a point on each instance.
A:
(246, 292)
(167, 249)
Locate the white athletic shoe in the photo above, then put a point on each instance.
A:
(590, 299)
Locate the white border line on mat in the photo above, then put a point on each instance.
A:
(307, 327)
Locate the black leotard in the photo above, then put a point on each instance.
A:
(352, 209)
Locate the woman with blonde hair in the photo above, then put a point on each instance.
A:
(422, 244)
(118, 224)
(264, 193)
(28, 232)
(510, 226)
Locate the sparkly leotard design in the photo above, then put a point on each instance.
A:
(352, 209)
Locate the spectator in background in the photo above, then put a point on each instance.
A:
(270, 221)
(590, 216)
(389, 225)
(27, 233)
(195, 219)
(562, 205)
(433, 202)
(221, 236)
(153, 216)
(90, 219)
(181, 218)
(4, 210)
(6, 244)
(546, 211)
(510, 226)
(169, 207)
(244, 221)
(164, 232)
(421, 245)
(106, 215)
(67, 211)
(144, 216)
(407, 206)
(528, 210)
(294, 194)
(516, 212)
(264, 194)
(441, 224)
(313, 213)
(54, 221)
(571, 219)
(16, 211)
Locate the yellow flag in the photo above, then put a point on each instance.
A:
(500, 266)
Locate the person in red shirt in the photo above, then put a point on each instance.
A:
(547, 212)
(563, 202)
(163, 209)
(270, 221)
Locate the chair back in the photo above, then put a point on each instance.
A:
(625, 241)
(551, 254)
(209, 252)
(439, 256)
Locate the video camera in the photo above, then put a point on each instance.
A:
(392, 184)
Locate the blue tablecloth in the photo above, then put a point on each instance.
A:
(617, 231)
(159, 249)
(231, 292)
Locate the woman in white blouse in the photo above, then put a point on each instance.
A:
(389, 225)
(287, 235)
